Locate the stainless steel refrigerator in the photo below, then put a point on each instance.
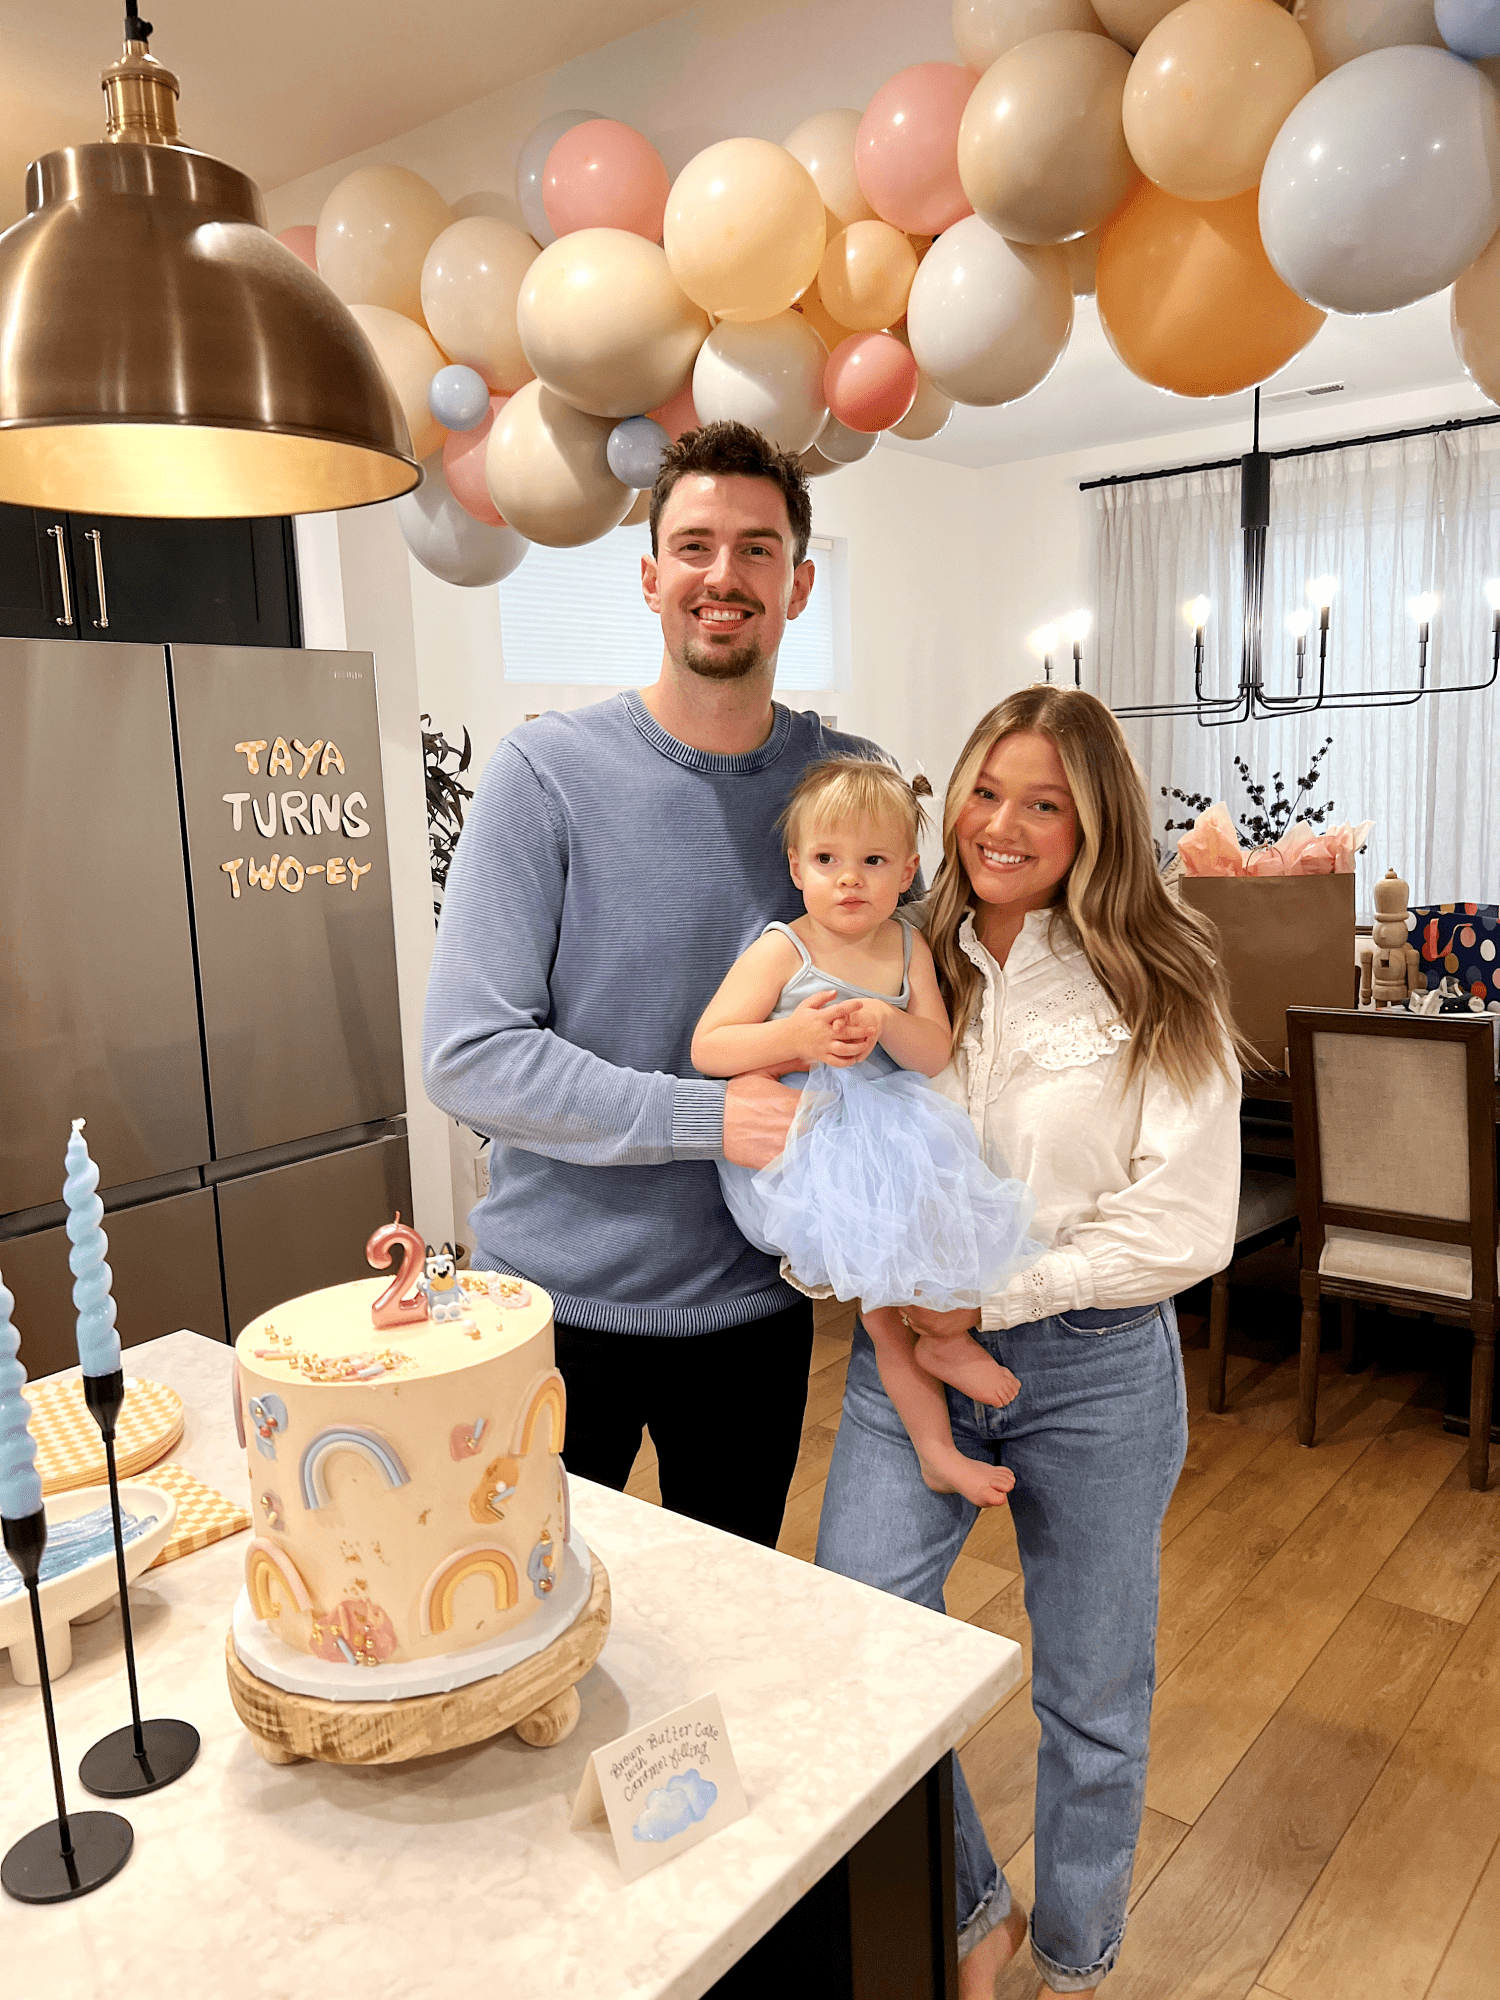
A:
(197, 957)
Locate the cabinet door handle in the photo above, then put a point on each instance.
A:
(62, 577)
(93, 535)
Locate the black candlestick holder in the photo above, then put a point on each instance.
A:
(76, 1852)
(141, 1756)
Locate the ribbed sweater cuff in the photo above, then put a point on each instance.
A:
(698, 1119)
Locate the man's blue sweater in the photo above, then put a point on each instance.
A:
(607, 878)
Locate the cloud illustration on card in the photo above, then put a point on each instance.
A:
(680, 1803)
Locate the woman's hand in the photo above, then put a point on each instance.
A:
(940, 1323)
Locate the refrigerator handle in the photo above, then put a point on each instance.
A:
(93, 535)
(62, 576)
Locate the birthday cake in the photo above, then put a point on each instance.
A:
(407, 1484)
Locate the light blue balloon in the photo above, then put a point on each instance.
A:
(1470, 27)
(634, 451)
(459, 397)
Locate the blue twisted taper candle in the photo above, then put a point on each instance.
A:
(98, 1343)
(20, 1482)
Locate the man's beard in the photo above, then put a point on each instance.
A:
(713, 665)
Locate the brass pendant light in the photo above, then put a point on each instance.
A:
(161, 353)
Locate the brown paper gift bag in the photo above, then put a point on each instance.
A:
(1284, 942)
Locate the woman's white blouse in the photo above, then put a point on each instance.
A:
(1137, 1187)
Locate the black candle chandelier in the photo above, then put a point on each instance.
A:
(1250, 699)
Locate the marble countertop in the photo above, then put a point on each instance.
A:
(458, 1875)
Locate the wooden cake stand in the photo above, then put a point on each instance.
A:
(537, 1699)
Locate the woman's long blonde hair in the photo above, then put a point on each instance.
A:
(1154, 957)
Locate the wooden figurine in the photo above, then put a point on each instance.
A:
(1390, 969)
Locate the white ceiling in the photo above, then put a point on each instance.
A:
(283, 87)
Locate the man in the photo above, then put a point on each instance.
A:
(615, 862)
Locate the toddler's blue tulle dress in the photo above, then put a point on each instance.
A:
(881, 1191)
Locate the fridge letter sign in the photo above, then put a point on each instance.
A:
(290, 813)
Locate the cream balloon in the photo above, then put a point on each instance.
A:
(1339, 30)
(1083, 263)
(1130, 21)
(471, 279)
(928, 415)
(767, 374)
(410, 358)
(824, 144)
(985, 29)
(448, 542)
(640, 513)
(1209, 91)
(744, 229)
(865, 276)
(374, 231)
(1474, 314)
(547, 471)
(605, 324)
(988, 320)
(1041, 151)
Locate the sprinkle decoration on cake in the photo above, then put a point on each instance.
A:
(409, 1495)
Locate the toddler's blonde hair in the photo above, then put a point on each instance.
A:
(842, 791)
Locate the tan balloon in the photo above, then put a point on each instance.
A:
(744, 230)
(410, 358)
(1188, 298)
(1083, 263)
(865, 276)
(985, 29)
(824, 144)
(1130, 21)
(471, 279)
(640, 513)
(547, 472)
(1474, 313)
(1041, 150)
(1209, 91)
(928, 414)
(815, 465)
(1339, 30)
(605, 324)
(820, 319)
(374, 231)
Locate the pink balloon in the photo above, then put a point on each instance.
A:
(302, 240)
(605, 175)
(463, 468)
(678, 415)
(870, 382)
(906, 150)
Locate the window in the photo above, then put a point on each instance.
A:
(574, 618)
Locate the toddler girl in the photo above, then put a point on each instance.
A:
(881, 1192)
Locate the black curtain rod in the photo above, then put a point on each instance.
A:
(1289, 451)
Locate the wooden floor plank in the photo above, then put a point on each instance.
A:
(1211, 1708)
(1159, 1841)
(1206, 1928)
(812, 1461)
(1469, 1966)
(972, 1584)
(1382, 1913)
(1448, 1561)
(825, 1394)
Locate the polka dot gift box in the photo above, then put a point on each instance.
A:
(1460, 948)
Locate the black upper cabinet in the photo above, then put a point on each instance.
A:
(113, 577)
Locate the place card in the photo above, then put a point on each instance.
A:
(665, 1787)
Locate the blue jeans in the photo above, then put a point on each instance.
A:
(1096, 1440)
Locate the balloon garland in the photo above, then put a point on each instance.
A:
(1220, 174)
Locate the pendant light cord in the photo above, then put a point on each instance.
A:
(137, 30)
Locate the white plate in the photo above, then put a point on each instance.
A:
(87, 1588)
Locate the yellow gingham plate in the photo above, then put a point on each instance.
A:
(69, 1449)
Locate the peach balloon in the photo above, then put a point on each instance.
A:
(605, 175)
(471, 279)
(1474, 315)
(302, 240)
(677, 416)
(1041, 150)
(1208, 92)
(870, 382)
(829, 330)
(374, 231)
(985, 29)
(907, 150)
(744, 229)
(1130, 21)
(548, 473)
(865, 276)
(1188, 297)
(410, 358)
(463, 467)
(605, 324)
(824, 144)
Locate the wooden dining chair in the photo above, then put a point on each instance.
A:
(1393, 1124)
(1268, 1211)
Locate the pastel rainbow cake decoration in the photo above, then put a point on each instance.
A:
(546, 1403)
(367, 1443)
(265, 1565)
(487, 1559)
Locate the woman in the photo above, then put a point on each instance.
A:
(1092, 1053)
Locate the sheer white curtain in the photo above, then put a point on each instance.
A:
(1388, 521)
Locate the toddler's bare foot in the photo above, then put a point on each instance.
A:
(959, 1360)
(951, 1472)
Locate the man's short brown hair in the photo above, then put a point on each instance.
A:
(726, 449)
